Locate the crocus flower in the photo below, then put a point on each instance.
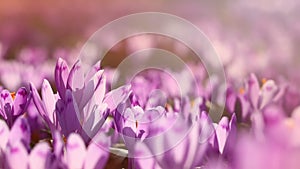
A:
(14, 146)
(255, 98)
(13, 105)
(133, 123)
(225, 133)
(173, 143)
(81, 104)
(14, 143)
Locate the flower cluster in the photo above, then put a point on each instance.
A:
(83, 123)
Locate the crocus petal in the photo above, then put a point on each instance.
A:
(76, 151)
(68, 114)
(196, 150)
(130, 120)
(93, 71)
(156, 98)
(4, 134)
(143, 158)
(17, 156)
(8, 114)
(253, 87)
(222, 133)
(20, 102)
(148, 118)
(20, 132)
(243, 103)
(269, 90)
(90, 90)
(230, 100)
(117, 96)
(94, 121)
(48, 99)
(5, 98)
(57, 144)
(129, 137)
(41, 107)
(39, 156)
(61, 76)
(76, 77)
(97, 152)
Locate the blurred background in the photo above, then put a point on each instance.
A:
(249, 36)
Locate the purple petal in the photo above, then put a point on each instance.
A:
(48, 99)
(94, 121)
(41, 107)
(93, 71)
(144, 158)
(147, 119)
(222, 133)
(76, 77)
(20, 132)
(4, 134)
(76, 151)
(253, 87)
(17, 156)
(246, 106)
(68, 117)
(117, 96)
(5, 98)
(58, 144)
(97, 152)
(196, 150)
(21, 101)
(39, 156)
(61, 76)
(230, 100)
(91, 91)
(269, 90)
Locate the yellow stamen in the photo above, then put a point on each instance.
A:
(290, 123)
(193, 103)
(242, 90)
(13, 95)
(64, 139)
(263, 81)
(168, 106)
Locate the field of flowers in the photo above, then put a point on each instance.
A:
(153, 101)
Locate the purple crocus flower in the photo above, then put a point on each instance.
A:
(13, 105)
(174, 142)
(133, 123)
(225, 132)
(14, 144)
(259, 97)
(81, 104)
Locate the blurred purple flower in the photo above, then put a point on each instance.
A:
(174, 142)
(13, 105)
(225, 134)
(14, 144)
